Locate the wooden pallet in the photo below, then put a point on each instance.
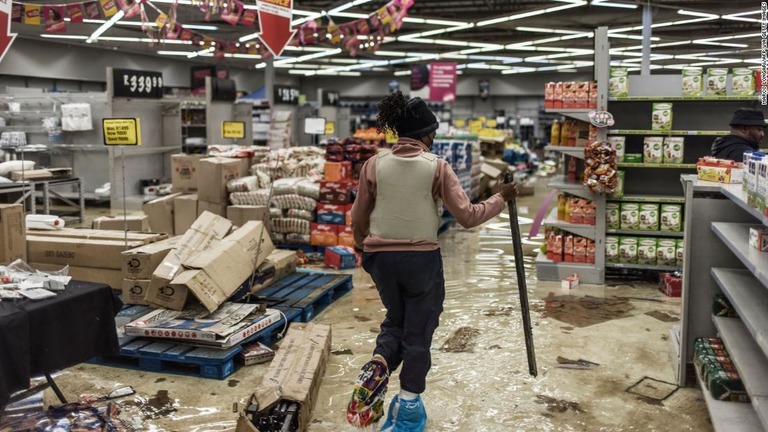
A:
(310, 292)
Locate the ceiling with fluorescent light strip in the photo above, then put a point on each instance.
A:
(482, 36)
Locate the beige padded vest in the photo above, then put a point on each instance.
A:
(405, 209)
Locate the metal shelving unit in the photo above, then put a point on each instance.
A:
(678, 234)
(667, 133)
(718, 215)
(656, 166)
(581, 114)
(577, 152)
(583, 230)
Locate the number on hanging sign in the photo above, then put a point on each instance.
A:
(137, 83)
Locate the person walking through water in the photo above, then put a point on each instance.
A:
(395, 222)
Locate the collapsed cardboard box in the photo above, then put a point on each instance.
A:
(205, 232)
(141, 262)
(279, 264)
(184, 213)
(294, 374)
(132, 223)
(13, 242)
(160, 213)
(213, 275)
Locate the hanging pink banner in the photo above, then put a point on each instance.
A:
(442, 82)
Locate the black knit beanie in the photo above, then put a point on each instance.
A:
(417, 121)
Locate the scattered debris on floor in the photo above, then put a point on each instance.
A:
(343, 352)
(233, 383)
(494, 347)
(114, 394)
(462, 340)
(374, 330)
(157, 406)
(652, 390)
(69, 417)
(662, 316)
(558, 405)
(585, 311)
(499, 311)
(566, 363)
(362, 318)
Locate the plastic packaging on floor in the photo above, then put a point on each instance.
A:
(44, 222)
(72, 417)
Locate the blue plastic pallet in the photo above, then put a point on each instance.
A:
(310, 292)
(162, 356)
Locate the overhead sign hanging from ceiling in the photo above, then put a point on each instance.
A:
(442, 82)
(275, 20)
(6, 37)
(137, 83)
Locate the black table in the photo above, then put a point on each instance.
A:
(38, 337)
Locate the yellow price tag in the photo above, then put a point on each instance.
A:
(482, 119)
(460, 123)
(475, 126)
(122, 131)
(491, 123)
(233, 130)
(330, 128)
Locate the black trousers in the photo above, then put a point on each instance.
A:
(412, 287)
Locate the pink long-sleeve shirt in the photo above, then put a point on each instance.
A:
(446, 186)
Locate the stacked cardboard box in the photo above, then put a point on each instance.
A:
(209, 263)
(160, 213)
(185, 212)
(92, 255)
(214, 173)
(240, 214)
(184, 172)
(121, 223)
(138, 264)
(279, 264)
(13, 243)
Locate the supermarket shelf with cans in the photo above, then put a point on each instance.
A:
(656, 166)
(749, 361)
(581, 114)
(583, 230)
(733, 416)
(667, 132)
(577, 152)
(638, 233)
(642, 267)
(748, 297)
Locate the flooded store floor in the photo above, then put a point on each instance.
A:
(602, 353)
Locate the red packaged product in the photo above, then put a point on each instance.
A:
(558, 96)
(323, 234)
(568, 249)
(339, 192)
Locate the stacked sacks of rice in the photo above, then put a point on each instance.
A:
(293, 177)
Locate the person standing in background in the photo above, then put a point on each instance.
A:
(747, 130)
(395, 222)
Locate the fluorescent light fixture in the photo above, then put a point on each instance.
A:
(531, 13)
(391, 53)
(348, 15)
(402, 73)
(546, 30)
(614, 5)
(174, 53)
(634, 37)
(735, 17)
(725, 44)
(698, 14)
(445, 22)
(104, 27)
(152, 24)
(344, 61)
(324, 53)
(58, 36)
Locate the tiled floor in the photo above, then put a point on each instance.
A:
(622, 327)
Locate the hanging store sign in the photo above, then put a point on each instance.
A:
(6, 37)
(122, 131)
(233, 130)
(137, 83)
(275, 20)
(442, 82)
(286, 95)
(330, 98)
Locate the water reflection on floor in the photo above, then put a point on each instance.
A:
(489, 388)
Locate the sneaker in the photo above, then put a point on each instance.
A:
(367, 404)
(406, 416)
